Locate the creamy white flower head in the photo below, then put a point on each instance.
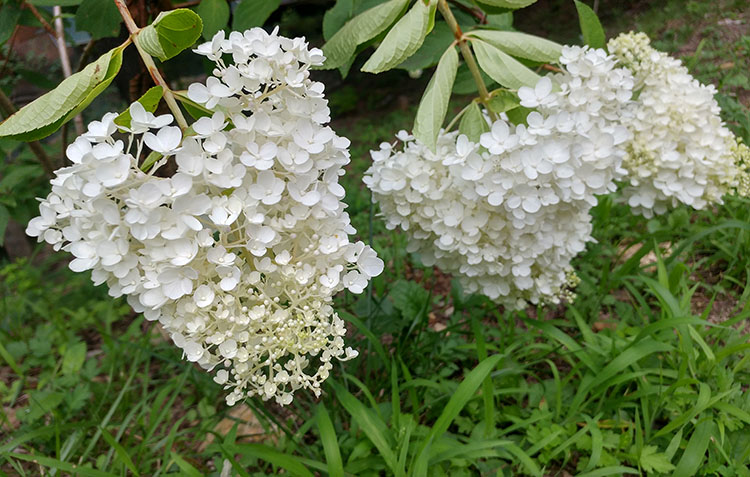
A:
(681, 151)
(506, 216)
(227, 254)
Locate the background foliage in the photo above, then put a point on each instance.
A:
(646, 373)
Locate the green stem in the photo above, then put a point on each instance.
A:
(445, 10)
(150, 65)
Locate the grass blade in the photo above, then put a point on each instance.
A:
(330, 442)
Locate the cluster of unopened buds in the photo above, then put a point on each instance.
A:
(239, 253)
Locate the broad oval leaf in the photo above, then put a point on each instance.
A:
(215, 16)
(591, 27)
(170, 33)
(365, 26)
(405, 38)
(501, 67)
(47, 113)
(473, 123)
(253, 13)
(434, 102)
(431, 50)
(521, 45)
(149, 100)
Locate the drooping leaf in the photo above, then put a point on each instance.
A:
(10, 12)
(253, 13)
(149, 100)
(365, 26)
(47, 113)
(336, 16)
(521, 45)
(100, 19)
(591, 27)
(405, 38)
(501, 67)
(215, 16)
(473, 123)
(431, 50)
(171, 32)
(434, 102)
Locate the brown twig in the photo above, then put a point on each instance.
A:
(8, 109)
(41, 19)
(551, 68)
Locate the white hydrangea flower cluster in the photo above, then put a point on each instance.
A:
(506, 216)
(239, 253)
(681, 151)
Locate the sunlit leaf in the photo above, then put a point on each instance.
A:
(434, 102)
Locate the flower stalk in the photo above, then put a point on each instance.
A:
(150, 65)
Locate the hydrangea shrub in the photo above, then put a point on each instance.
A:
(239, 253)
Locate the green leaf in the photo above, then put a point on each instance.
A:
(194, 109)
(186, 468)
(473, 123)
(465, 83)
(10, 13)
(73, 358)
(695, 452)
(502, 68)
(591, 27)
(288, 462)
(653, 461)
(215, 16)
(100, 19)
(460, 397)
(41, 402)
(46, 114)
(330, 442)
(365, 26)
(73, 469)
(4, 219)
(253, 13)
(336, 17)
(512, 4)
(434, 102)
(373, 427)
(171, 32)
(149, 100)
(431, 50)
(404, 39)
(521, 45)
(122, 454)
(502, 100)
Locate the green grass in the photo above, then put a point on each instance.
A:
(645, 374)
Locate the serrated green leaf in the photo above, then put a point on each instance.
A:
(171, 32)
(431, 50)
(521, 45)
(434, 102)
(473, 123)
(404, 39)
(253, 13)
(336, 16)
(511, 4)
(100, 19)
(215, 16)
(149, 100)
(502, 100)
(46, 114)
(365, 26)
(501, 67)
(591, 27)
(73, 358)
